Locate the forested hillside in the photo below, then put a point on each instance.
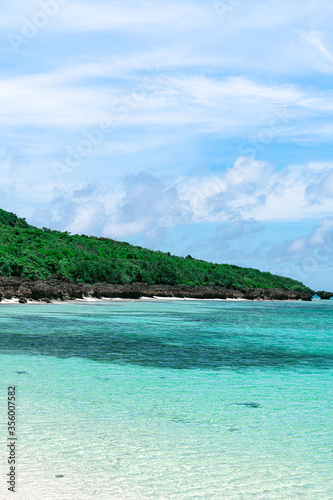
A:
(30, 252)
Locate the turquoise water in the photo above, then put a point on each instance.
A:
(169, 399)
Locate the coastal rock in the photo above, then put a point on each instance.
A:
(306, 297)
(24, 291)
(324, 295)
(163, 294)
(57, 289)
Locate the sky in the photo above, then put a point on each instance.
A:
(201, 128)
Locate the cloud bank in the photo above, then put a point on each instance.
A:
(191, 126)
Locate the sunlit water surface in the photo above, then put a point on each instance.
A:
(169, 400)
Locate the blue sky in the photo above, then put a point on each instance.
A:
(190, 127)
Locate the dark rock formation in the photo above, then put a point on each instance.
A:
(249, 405)
(65, 289)
(325, 295)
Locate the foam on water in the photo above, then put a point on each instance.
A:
(195, 399)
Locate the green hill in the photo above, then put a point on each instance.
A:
(30, 252)
(11, 220)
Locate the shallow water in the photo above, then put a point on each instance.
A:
(170, 399)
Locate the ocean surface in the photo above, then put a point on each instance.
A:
(166, 399)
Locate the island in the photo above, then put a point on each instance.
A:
(44, 265)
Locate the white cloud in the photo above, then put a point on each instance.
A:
(323, 236)
(249, 190)
(137, 16)
(308, 258)
(321, 187)
(276, 14)
(229, 106)
(203, 88)
(241, 16)
(254, 189)
(318, 55)
(80, 16)
(185, 84)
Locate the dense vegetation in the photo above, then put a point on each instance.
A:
(11, 220)
(26, 251)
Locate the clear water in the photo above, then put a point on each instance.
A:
(169, 400)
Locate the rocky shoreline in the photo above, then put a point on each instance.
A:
(66, 289)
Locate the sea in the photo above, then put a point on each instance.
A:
(167, 399)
